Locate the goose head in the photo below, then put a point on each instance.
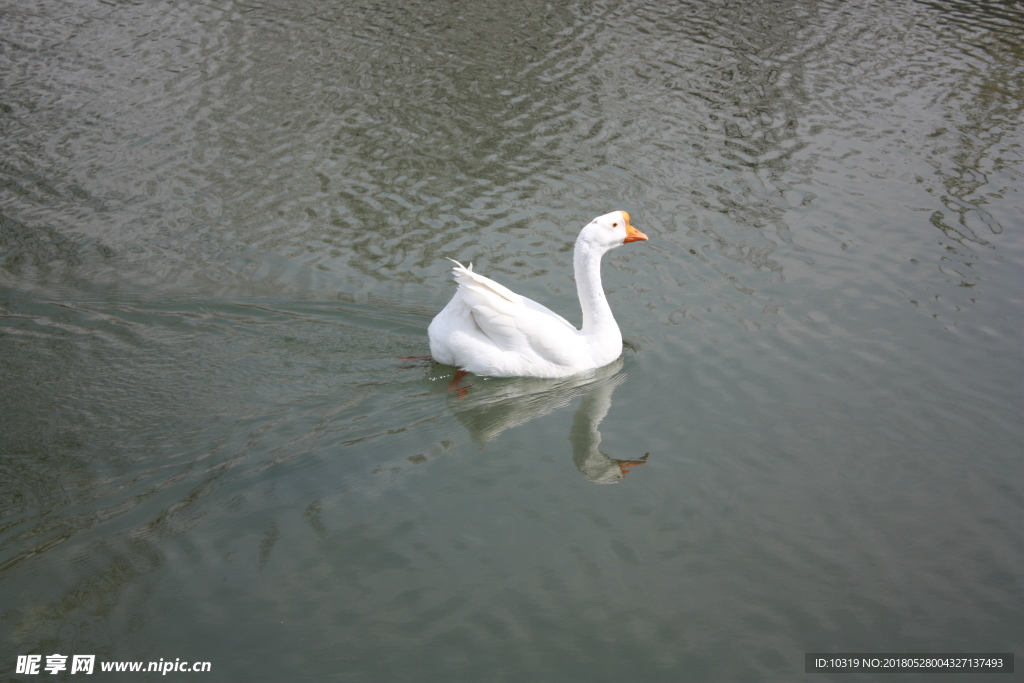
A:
(610, 231)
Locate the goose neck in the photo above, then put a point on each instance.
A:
(597, 315)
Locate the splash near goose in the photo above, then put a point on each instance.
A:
(487, 329)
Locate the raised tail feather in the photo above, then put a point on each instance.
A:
(467, 278)
(460, 269)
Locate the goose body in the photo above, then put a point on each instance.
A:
(487, 329)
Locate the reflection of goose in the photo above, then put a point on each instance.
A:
(489, 407)
(591, 462)
(489, 330)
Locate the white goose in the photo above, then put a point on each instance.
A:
(490, 330)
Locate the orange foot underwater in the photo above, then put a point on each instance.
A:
(454, 384)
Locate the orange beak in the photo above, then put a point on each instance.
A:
(632, 234)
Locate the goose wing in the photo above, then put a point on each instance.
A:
(514, 322)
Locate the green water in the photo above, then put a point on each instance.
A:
(223, 225)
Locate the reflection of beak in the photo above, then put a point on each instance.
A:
(632, 234)
(627, 465)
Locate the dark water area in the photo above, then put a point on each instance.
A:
(223, 225)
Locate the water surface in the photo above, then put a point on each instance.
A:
(224, 224)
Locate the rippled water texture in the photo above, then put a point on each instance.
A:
(223, 225)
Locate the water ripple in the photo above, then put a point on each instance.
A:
(222, 224)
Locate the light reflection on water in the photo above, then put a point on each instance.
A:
(222, 226)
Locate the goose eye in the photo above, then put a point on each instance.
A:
(615, 225)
